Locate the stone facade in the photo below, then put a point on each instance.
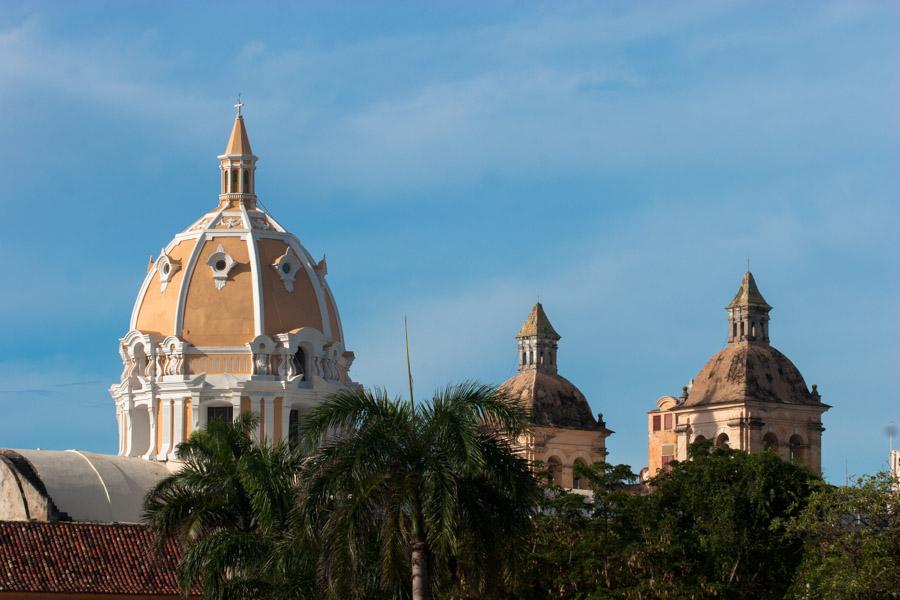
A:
(749, 396)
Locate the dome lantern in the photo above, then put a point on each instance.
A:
(537, 342)
(238, 166)
(748, 314)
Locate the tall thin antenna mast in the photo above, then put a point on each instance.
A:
(412, 405)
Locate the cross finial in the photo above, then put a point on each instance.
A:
(239, 105)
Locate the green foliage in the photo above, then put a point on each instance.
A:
(230, 505)
(710, 527)
(852, 542)
(383, 484)
(388, 480)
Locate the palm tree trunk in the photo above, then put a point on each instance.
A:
(421, 589)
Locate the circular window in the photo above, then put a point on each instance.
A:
(166, 269)
(286, 268)
(220, 265)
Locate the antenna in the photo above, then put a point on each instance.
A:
(412, 405)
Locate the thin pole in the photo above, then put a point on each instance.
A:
(412, 405)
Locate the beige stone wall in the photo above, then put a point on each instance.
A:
(794, 432)
(567, 446)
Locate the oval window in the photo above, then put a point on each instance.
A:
(286, 268)
(220, 265)
(166, 269)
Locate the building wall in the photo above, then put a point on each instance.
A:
(794, 432)
(568, 446)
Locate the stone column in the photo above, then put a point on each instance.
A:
(267, 408)
(177, 430)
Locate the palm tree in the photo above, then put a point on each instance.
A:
(230, 505)
(438, 494)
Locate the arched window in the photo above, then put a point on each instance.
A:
(770, 442)
(300, 363)
(294, 428)
(555, 467)
(246, 185)
(524, 358)
(796, 447)
(577, 482)
(234, 183)
(734, 329)
(722, 441)
(742, 329)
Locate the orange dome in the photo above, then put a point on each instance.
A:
(236, 273)
(233, 275)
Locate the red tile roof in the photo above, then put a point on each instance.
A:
(97, 558)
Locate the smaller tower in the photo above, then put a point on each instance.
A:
(537, 342)
(238, 167)
(748, 314)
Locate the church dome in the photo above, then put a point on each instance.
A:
(554, 400)
(235, 273)
(748, 368)
(745, 371)
(233, 316)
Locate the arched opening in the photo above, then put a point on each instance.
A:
(699, 438)
(294, 428)
(770, 442)
(223, 414)
(795, 449)
(753, 330)
(299, 361)
(734, 330)
(578, 482)
(722, 441)
(140, 431)
(524, 358)
(234, 181)
(555, 467)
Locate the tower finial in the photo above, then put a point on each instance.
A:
(239, 105)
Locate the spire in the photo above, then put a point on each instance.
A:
(748, 314)
(537, 342)
(238, 142)
(748, 294)
(537, 324)
(238, 166)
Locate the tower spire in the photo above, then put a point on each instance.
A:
(748, 314)
(537, 342)
(238, 165)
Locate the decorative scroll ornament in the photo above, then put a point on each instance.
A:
(231, 222)
(221, 263)
(260, 223)
(166, 267)
(200, 224)
(287, 265)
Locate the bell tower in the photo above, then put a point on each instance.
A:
(537, 342)
(748, 314)
(238, 167)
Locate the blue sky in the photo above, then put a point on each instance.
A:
(621, 161)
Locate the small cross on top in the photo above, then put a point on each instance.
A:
(239, 105)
